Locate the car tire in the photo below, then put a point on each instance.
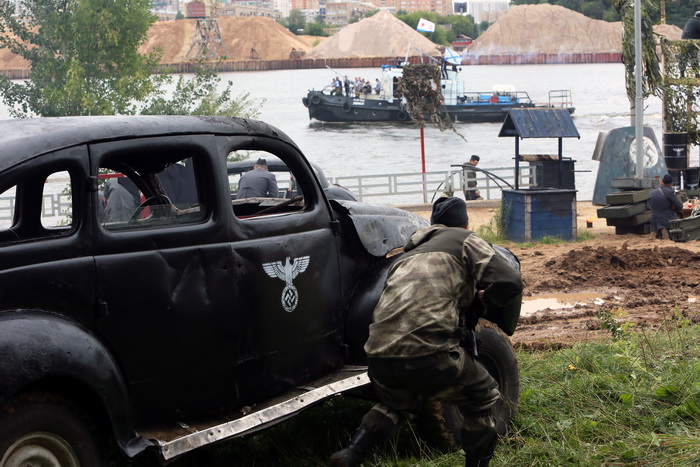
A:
(45, 430)
(402, 115)
(346, 106)
(439, 425)
(305, 101)
(315, 99)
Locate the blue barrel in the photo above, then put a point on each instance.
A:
(676, 150)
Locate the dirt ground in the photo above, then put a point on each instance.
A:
(640, 280)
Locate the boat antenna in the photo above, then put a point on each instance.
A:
(435, 60)
(408, 49)
(336, 71)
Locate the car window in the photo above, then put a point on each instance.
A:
(38, 205)
(264, 188)
(161, 193)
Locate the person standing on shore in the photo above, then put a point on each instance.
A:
(471, 193)
(665, 207)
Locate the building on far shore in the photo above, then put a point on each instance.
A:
(167, 10)
(487, 10)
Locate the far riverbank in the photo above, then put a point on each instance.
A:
(364, 62)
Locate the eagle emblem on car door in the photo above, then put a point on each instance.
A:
(288, 271)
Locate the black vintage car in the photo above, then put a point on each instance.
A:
(137, 297)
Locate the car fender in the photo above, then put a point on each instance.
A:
(380, 228)
(36, 346)
(362, 303)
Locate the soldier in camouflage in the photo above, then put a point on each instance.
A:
(439, 287)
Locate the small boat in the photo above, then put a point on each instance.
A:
(387, 106)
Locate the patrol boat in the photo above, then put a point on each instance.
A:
(388, 106)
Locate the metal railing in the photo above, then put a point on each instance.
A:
(55, 210)
(416, 187)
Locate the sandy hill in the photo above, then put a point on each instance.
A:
(381, 35)
(551, 29)
(269, 39)
(547, 29)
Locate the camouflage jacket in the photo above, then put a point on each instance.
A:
(431, 286)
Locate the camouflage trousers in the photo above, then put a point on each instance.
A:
(452, 377)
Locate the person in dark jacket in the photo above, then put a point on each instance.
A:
(258, 183)
(691, 30)
(688, 58)
(414, 352)
(665, 206)
(471, 193)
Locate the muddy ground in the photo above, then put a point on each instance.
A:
(641, 281)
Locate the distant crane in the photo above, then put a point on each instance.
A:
(207, 43)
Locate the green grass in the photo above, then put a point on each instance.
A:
(631, 400)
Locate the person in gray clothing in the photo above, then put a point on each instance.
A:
(122, 199)
(665, 206)
(258, 183)
(440, 287)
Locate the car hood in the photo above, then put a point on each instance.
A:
(380, 228)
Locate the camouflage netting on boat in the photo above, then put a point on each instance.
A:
(420, 85)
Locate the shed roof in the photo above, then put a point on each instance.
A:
(539, 123)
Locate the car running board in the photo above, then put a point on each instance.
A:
(176, 441)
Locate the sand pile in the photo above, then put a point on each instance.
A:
(551, 29)
(381, 35)
(245, 38)
(547, 29)
(670, 31)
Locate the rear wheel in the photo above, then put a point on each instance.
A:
(440, 424)
(45, 431)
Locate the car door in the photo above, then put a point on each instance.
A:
(289, 300)
(166, 272)
(45, 236)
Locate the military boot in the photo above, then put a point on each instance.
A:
(480, 441)
(353, 455)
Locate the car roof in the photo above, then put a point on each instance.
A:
(23, 139)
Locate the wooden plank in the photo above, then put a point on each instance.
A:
(626, 210)
(638, 219)
(627, 197)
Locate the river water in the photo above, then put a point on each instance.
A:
(598, 92)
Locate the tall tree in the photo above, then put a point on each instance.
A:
(295, 22)
(83, 54)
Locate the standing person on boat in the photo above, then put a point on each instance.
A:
(337, 87)
(434, 294)
(358, 86)
(665, 207)
(377, 87)
(471, 193)
(347, 86)
(258, 183)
